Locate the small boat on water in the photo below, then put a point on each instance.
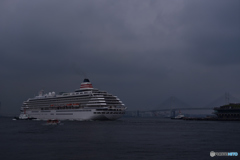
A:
(179, 116)
(53, 122)
(24, 116)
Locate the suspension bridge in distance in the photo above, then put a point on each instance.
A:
(156, 112)
(173, 104)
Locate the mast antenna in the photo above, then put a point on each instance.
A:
(226, 97)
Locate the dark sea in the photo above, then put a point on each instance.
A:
(123, 139)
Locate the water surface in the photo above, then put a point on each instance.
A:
(127, 138)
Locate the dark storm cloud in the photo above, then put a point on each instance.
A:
(149, 49)
(212, 31)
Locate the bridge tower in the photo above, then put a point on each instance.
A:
(173, 113)
(227, 98)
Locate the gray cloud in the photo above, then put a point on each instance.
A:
(142, 51)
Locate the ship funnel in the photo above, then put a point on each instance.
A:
(86, 84)
(86, 80)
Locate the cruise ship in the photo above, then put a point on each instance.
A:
(85, 103)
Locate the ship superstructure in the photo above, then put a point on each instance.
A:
(230, 111)
(86, 103)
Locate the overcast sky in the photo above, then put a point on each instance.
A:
(143, 51)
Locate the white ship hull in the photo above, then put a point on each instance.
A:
(86, 103)
(76, 114)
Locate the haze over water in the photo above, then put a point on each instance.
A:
(126, 138)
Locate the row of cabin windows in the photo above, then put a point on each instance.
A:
(109, 112)
(56, 108)
(108, 109)
(71, 100)
(59, 98)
